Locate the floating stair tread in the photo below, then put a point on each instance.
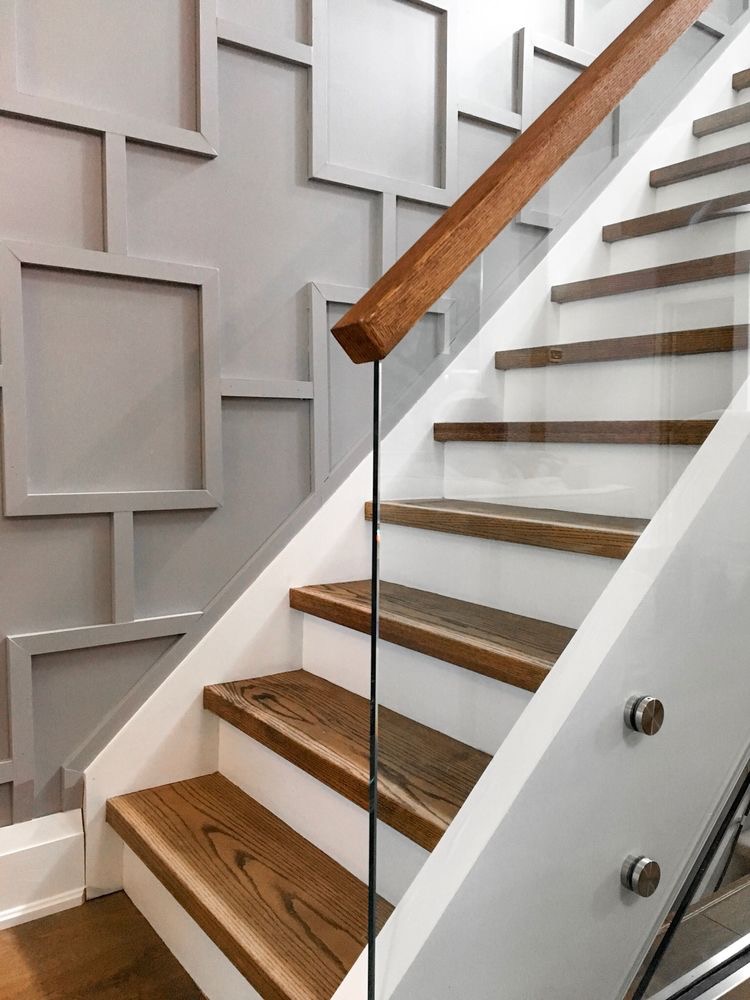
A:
(661, 432)
(290, 918)
(650, 345)
(676, 218)
(725, 265)
(739, 114)
(593, 534)
(702, 166)
(507, 647)
(741, 80)
(424, 777)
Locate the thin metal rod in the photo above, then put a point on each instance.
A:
(372, 888)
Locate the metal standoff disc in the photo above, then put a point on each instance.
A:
(640, 875)
(644, 714)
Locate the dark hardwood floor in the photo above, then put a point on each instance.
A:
(104, 950)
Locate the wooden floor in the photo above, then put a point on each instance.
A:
(104, 949)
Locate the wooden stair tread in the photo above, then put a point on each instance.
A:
(724, 265)
(701, 166)
(593, 534)
(424, 775)
(510, 648)
(741, 80)
(650, 345)
(739, 114)
(676, 218)
(291, 919)
(661, 432)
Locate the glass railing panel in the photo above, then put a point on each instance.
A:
(514, 497)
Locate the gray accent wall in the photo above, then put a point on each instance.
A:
(191, 193)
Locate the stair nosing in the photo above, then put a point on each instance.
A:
(682, 217)
(523, 669)
(701, 166)
(499, 522)
(720, 121)
(678, 343)
(684, 272)
(661, 433)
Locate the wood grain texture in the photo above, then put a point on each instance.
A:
(372, 328)
(424, 776)
(104, 949)
(649, 345)
(510, 648)
(701, 166)
(741, 80)
(725, 265)
(290, 919)
(721, 120)
(661, 432)
(592, 534)
(676, 218)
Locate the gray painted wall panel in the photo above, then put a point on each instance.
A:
(182, 559)
(54, 573)
(134, 56)
(255, 215)
(111, 387)
(84, 684)
(5, 805)
(113, 383)
(50, 184)
(384, 90)
(282, 18)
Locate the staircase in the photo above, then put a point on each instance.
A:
(291, 918)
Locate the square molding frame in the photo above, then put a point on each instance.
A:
(203, 140)
(18, 500)
(19, 770)
(321, 167)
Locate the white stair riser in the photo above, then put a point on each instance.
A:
(717, 302)
(525, 579)
(325, 818)
(724, 139)
(704, 239)
(701, 188)
(644, 388)
(209, 968)
(631, 480)
(469, 707)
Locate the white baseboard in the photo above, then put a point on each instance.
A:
(41, 868)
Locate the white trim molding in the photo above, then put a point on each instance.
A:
(41, 867)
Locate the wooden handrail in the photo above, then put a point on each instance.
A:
(384, 315)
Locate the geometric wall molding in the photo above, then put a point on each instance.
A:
(242, 36)
(441, 193)
(19, 769)
(18, 498)
(203, 139)
(529, 46)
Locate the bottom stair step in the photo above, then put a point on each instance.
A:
(291, 919)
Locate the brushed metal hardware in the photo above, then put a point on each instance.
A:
(640, 875)
(644, 714)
